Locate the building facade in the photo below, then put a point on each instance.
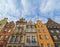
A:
(54, 30)
(17, 39)
(3, 23)
(44, 38)
(31, 35)
(5, 33)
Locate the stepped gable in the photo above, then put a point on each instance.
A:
(52, 23)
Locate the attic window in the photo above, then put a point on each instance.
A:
(51, 31)
(5, 30)
(57, 31)
(9, 30)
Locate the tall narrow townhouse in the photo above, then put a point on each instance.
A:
(31, 35)
(54, 30)
(3, 23)
(6, 32)
(44, 38)
(17, 39)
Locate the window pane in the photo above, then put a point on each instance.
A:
(46, 37)
(39, 30)
(16, 40)
(33, 39)
(40, 36)
(57, 31)
(33, 29)
(42, 45)
(48, 45)
(21, 39)
(55, 37)
(51, 31)
(12, 39)
(28, 39)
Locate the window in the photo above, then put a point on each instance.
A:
(28, 29)
(39, 30)
(20, 31)
(40, 36)
(33, 29)
(1, 37)
(59, 36)
(16, 39)
(33, 39)
(42, 45)
(48, 45)
(9, 30)
(55, 38)
(51, 31)
(46, 37)
(12, 39)
(6, 37)
(28, 39)
(5, 30)
(57, 31)
(43, 30)
(21, 39)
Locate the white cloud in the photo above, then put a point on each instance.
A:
(30, 8)
(49, 6)
(7, 8)
(57, 19)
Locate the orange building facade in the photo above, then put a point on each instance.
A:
(6, 32)
(44, 38)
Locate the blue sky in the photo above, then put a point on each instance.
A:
(30, 9)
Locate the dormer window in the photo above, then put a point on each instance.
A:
(9, 30)
(51, 31)
(6, 37)
(57, 31)
(43, 30)
(5, 30)
(46, 37)
(55, 37)
(1, 37)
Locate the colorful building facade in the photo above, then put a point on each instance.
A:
(44, 38)
(17, 39)
(3, 23)
(31, 35)
(54, 30)
(5, 33)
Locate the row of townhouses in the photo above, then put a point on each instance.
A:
(29, 34)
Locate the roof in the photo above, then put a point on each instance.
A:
(52, 23)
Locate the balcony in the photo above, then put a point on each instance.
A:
(32, 43)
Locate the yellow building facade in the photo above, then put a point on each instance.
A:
(3, 23)
(44, 38)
